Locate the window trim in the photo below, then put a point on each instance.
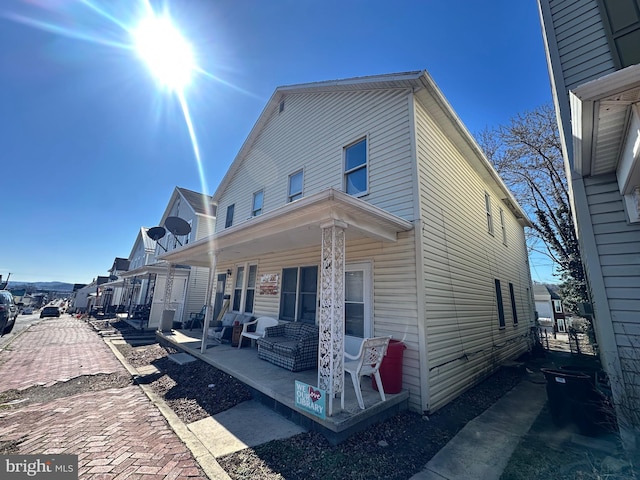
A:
(612, 36)
(365, 166)
(297, 195)
(257, 211)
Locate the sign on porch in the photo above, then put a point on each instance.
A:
(268, 284)
(311, 399)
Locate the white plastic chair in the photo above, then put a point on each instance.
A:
(261, 323)
(367, 362)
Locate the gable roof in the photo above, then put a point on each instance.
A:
(202, 204)
(425, 89)
(120, 264)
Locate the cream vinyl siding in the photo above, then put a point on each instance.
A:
(310, 134)
(461, 260)
(582, 44)
(619, 253)
(393, 286)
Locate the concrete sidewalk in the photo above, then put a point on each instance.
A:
(481, 450)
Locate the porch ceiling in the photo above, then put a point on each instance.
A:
(295, 225)
(601, 113)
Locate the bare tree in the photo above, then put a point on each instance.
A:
(527, 154)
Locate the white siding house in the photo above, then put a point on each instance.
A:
(146, 281)
(369, 193)
(593, 51)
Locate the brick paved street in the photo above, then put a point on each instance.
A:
(117, 433)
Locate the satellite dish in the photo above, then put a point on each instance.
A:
(156, 233)
(178, 226)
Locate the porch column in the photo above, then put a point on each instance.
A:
(208, 313)
(331, 325)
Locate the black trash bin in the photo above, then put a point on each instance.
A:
(566, 392)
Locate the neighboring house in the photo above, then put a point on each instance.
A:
(145, 283)
(549, 305)
(365, 206)
(112, 291)
(593, 51)
(85, 297)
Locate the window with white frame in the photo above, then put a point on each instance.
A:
(237, 289)
(557, 306)
(487, 207)
(299, 294)
(295, 186)
(258, 198)
(355, 168)
(244, 288)
(250, 291)
(503, 227)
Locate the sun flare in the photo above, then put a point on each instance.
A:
(165, 51)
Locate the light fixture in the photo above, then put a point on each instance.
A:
(228, 272)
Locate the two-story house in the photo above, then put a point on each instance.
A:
(549, 306)
(593, 53)
(152, 286)
(365, 206)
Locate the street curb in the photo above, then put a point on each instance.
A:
(205, 459)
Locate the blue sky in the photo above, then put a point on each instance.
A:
(92, 147)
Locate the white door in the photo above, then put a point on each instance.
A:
(357, 305)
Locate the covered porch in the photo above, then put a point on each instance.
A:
(326, 221)
(275, 387)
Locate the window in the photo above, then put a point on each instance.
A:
(355, 168)
(354, 303)
(237, 289)
(299, 294)
(281, 107)
(557, 306)
(621, 19)
(229, 220)
(487, 206)
(295, 186)
(513, 304)
(503, 227)
(257, 203)
(250, 293)
(500, 304)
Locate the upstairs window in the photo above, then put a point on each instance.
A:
(229, 219)
(557, 306)
(295, 186)
(487, 207)
(503, 227)
(355, 168)
(621, 19)
(257, 203)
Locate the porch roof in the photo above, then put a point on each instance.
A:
(157, 268)
(605, 119)
(294, 225)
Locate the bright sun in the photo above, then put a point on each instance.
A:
(167, 54)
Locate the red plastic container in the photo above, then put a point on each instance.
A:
(391, 368)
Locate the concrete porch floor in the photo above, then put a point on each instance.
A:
(274, 386)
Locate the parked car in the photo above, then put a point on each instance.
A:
(50, 312)
(27, 311)
(8, 312)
